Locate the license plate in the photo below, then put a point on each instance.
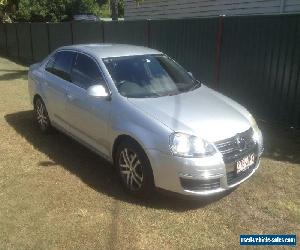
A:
(245, 163)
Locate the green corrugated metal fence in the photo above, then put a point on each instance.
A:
(132, 32)
(40, 41)
(12, 40)
(2, 39)
(87, 32)
(24, 41)
(59, 35)
(260, 65)
(191, 42)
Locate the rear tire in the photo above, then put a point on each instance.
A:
(42, 116)
(134, 169)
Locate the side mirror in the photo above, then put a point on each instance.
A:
(97, 91)
(191, 74)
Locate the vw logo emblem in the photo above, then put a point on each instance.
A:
(241, 144)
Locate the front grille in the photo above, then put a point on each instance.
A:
(233, 177)
(200, 185)
(238, 146)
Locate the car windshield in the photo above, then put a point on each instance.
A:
(149, 76)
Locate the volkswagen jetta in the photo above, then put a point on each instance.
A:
(143, 112)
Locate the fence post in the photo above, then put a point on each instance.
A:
(31, 43)
(5, 29)
(48, 33)
(219, 51)
(72, 35)
(17, 38)
(148, 33)
(103, 32)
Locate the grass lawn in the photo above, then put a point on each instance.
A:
(55, 194)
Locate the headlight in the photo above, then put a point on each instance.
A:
(257, 136)
(253, 122)
(190, 146)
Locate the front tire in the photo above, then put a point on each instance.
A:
(134, 169)
(42, 117)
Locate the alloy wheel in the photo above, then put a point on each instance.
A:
(41, 115)
(131, 169)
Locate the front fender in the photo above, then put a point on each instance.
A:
(148, 132)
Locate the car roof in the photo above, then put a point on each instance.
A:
(105, 50)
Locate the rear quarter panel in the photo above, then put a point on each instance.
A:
(35, 78)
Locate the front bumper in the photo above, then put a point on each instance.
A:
(197, 176)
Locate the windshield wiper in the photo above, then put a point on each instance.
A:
(197, 85)
(145, 96)
(174, 93)
(151, 95)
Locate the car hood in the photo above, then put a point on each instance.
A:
(202, 112)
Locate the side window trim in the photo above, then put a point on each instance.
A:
(50, 60)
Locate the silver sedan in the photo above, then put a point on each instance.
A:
(143, 112)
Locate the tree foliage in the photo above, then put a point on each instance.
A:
(54, 10)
